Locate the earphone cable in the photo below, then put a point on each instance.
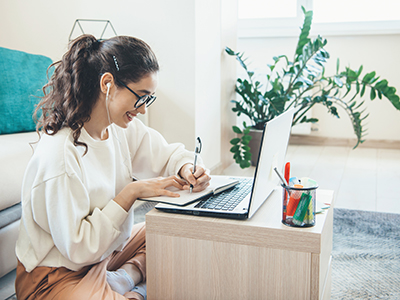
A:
(126, 160)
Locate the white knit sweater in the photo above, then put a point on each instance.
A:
(68, 216)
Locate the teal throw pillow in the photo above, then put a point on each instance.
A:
(22, 76)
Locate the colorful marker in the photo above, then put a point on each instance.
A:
(302, 208)
(293, 200)
(285, 197)
(309, 217)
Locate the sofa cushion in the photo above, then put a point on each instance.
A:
(10, 215)
(8, 238)
(22, 76)
(15, 153)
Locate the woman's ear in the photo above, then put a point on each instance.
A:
(106, 82)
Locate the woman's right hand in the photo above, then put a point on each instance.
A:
(148, 188)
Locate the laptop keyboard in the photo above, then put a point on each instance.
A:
(229, 199)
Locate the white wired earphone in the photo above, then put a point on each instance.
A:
(112, 132)
(108, 92)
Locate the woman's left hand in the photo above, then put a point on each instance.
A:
(200, 179)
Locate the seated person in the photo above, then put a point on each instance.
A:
(77, 236)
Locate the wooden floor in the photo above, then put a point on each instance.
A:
(363, 179)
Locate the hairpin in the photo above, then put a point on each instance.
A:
(116, 63)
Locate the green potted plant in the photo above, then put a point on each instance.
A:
(300, 84)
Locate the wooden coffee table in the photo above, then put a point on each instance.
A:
(190, 257)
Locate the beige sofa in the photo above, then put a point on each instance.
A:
(22, 76)
(15, 152)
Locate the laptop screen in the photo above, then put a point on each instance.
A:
(272, 154)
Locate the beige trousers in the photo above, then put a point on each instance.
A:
(90, 282)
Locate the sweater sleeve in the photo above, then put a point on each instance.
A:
(152, 156)
(80, 233)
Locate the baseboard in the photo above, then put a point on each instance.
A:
(299, 139)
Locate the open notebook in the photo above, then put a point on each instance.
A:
(217, 185)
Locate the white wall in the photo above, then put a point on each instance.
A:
(186, 36)
(229, 10)
(208, 77)
(378, 53)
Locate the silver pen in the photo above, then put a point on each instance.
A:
(196, 152)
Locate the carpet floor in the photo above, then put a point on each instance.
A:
(365, 255)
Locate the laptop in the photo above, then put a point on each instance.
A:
(244, 199)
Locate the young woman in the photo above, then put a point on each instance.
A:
(77, 239)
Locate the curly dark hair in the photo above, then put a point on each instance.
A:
(74, 87)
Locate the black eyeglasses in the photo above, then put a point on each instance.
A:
(146, 99)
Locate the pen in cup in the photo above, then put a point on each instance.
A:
(285, 183)
(196, 152)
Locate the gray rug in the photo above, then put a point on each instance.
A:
(366, 255)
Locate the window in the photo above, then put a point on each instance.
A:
(282, 18)
(255, 9)
(355, 11)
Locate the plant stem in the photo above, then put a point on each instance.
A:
(289, 88)
(303, 113)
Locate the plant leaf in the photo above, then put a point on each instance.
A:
(310, 120)
(247, 155)
(337, 65)
(235, 141)
(246, 138)
(237, 129)
(373, 94)
(362, 90)
(229, 51)
(368, 77)
(234, 149)
(305, 31)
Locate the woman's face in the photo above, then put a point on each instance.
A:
(122, 102)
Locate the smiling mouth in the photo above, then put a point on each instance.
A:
(130, 116)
